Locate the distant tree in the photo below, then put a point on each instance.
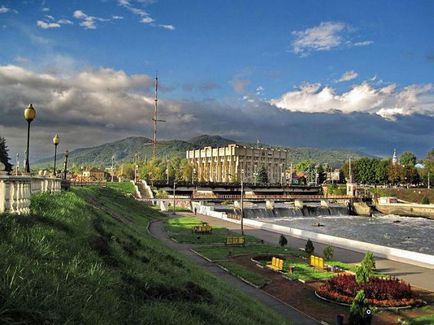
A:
(303, 165)
(322, 176)
(409, 175)
(393, 173)
(262, 177)
(430, 155)
(364, 170)
(407, 159)
(381, 168)
(186, 170)
(282, 241)
(4, 157)
(309, 248)
(328, 252)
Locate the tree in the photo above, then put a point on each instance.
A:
(364, 271)
(393, 172)
(425, 200)
(309, 248)
(303, 165)
(381, 171)
(4, 157)
(407, 159)
(262, 177)
(282, 241)
(360, 313)
(328, 252)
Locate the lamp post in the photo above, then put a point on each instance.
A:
(242, 202)
(56, 143)
(29, 116)
(174, 194)
(113, 161)
(65, 165)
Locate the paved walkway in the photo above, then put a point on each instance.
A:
(297, 317)
(417, 276)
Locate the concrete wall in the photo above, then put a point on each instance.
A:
(16, 191)
(390, 253)
(415, 210)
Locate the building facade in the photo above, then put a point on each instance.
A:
(225, 164)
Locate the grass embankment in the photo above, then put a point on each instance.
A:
(85, 257)
(414, 195)
(126, 188)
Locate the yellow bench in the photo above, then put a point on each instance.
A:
(231, 241)
(203, 229)
(317, 262)
(276, 264)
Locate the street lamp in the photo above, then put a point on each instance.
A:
(242, 202)
(65, 165)
(174, 195)
(56, 143)
(29, 115)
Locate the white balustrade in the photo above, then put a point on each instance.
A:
(16, 191)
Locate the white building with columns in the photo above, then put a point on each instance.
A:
(224, 164)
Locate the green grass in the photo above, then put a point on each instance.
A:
(181, 230)
(221, 253)
(85, 257)
(123, 187)
(305, 272)
(244, 273)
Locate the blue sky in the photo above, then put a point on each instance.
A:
(304, 61)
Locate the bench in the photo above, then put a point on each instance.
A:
(317, 262)
(235, 241)
(276, 264)
(202, 229)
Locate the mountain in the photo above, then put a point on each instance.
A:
(126, 149)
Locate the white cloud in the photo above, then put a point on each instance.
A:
(4, 10)
(324, 37)
(64, 21)
(349, 75)
(146, 20)
(86, 21)
(363, 43)
(387, 101)
(319, 38)
(46, 25)
(117, 17)
(45, 9)
(169, 27)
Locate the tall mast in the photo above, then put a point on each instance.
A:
(155, 118)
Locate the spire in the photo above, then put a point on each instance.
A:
(394, 158)
(155, 119)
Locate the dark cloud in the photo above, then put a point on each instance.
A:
(98, 106)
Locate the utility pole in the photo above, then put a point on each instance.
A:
(113, 161)
(349, 170)
(174, 195)
(17, 164)
(155, 119)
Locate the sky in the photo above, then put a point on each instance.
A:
(332, 74)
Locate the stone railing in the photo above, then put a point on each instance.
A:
(16, 191)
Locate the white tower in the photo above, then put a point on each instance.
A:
(394, 158)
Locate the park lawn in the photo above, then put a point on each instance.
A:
(85, 256)
(422, 320)
(303, 271)
(240, 271)
(180, 229)
(216, 253)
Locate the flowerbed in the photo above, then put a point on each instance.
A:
(379, 292)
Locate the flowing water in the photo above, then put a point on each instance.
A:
(409, 233)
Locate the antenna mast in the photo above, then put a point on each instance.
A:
(155, 118)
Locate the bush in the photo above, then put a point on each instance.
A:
(425, 200)
(161, 194)
(359, 312)
(364, 271)
(309, 248)
(328, 252)
(283, 241)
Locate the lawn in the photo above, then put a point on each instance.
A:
(85, 256)
(302, 271)
(123, 187)
(180, 229)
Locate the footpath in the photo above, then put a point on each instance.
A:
(295, 316)
(417, 276)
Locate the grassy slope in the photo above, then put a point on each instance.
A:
(85, 257)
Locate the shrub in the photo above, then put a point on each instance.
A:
(161, 194)
(309, 248)
(328, 252)
(377, 291)
(364, 271)
(359, 311)
(425, 200)
(283, 241)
